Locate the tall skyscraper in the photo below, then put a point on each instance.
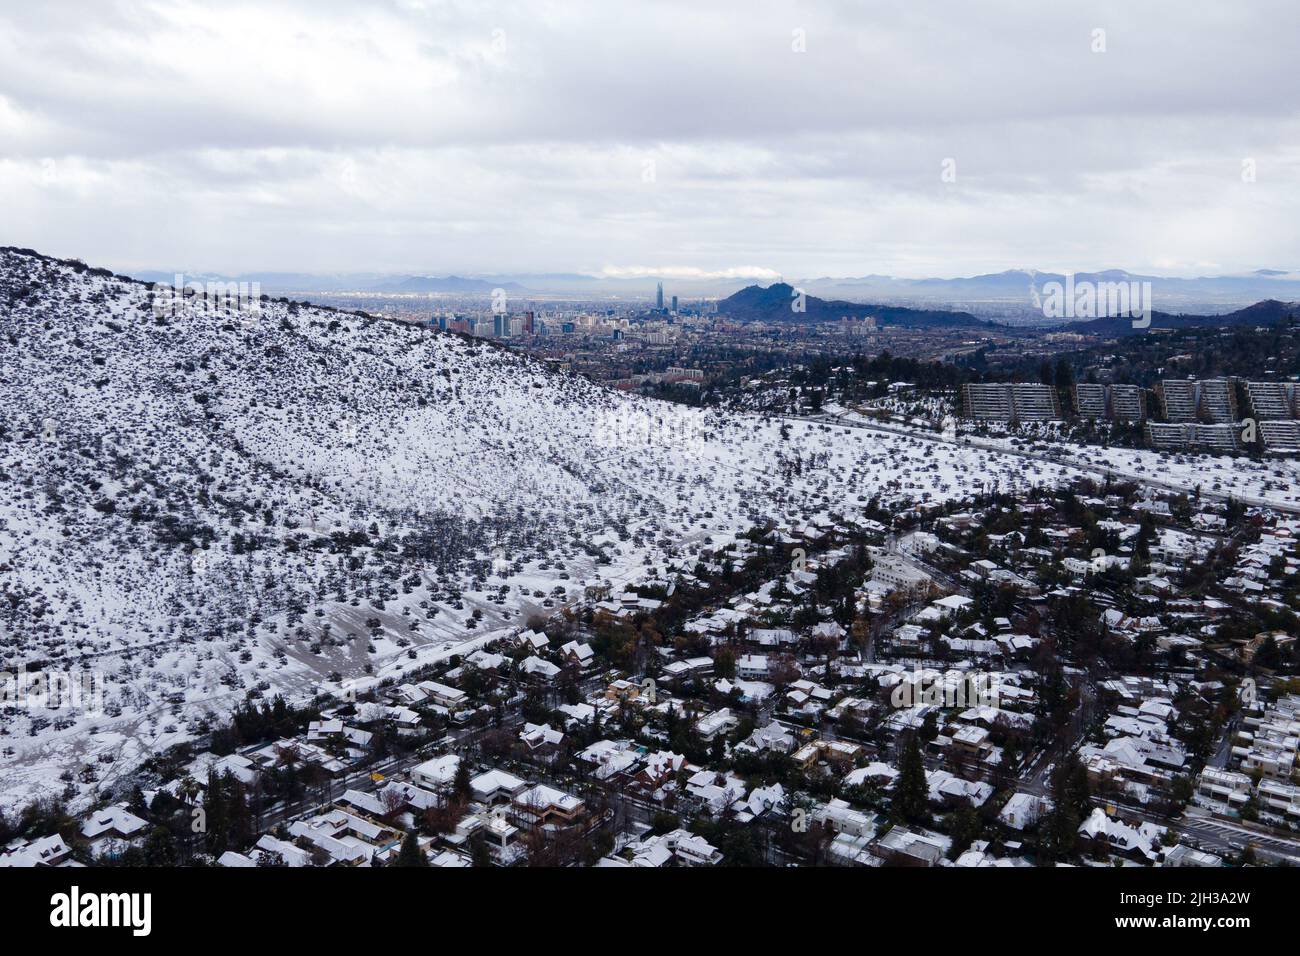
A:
(674, 303)
(659, 297)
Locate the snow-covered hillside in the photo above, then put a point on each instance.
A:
(202, 503)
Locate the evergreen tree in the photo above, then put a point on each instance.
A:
(1072, 797)
(911, 795)
(160, 848)
(963, 827)
(461, 783)
(1060, 833)
(1064, 378)
(216, 816)
(479, 853)
(410, 854)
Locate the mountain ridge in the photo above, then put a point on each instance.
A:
(1266, 312)
(780, 302)
(207, 503)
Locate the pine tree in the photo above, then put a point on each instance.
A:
(216, 816)
(480, 854)
(410, 854)
(1071, 795)
(1060, 833)
(911, 795)
(963, 826)
(461, 783)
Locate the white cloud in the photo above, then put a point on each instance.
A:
(499, 136)
(689, 272)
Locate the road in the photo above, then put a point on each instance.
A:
(361, 778)
(1224, 751)
(1223, 836)
(1037, 779)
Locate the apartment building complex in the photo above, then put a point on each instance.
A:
(1208, 415)
(1119, 402)
(1010, 401)
(1272, 401)
(1189, 436)
(1211, 415)
(1209, 401)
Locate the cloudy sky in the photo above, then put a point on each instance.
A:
(910, 138)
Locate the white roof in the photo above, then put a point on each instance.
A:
(116, 819)
(535, 665)
(496, 780)
(540, 795)
(439, 769)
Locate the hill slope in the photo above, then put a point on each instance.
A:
(774, 304)
(1268, 312)
(201, 503)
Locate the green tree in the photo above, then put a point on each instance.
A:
(911, 795)
(410, 854)
(963, 826)
(460, 785)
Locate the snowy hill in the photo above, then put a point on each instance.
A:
(201, 502)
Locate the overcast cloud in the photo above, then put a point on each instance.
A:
(689, 138)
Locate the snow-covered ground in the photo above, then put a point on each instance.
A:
(1269, 483)
(209, 504)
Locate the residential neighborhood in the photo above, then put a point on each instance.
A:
(1090, 676)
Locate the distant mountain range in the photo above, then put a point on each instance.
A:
(1268, 312)
(1006, 296)
(775, 303)
(1011, 293)
(446, 284)
(275, 282)
(779, 301)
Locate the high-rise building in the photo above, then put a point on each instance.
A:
(1127, 403)
(1122, 402)
(1281, 436)
(674, 303)
(1274, 401)
(659, 296)
(1019, 401)
(1219, 400)
(1187, 401)
(1190, 436)
(1090, 400)
(1179, 399)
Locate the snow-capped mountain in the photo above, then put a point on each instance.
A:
(202, 500)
